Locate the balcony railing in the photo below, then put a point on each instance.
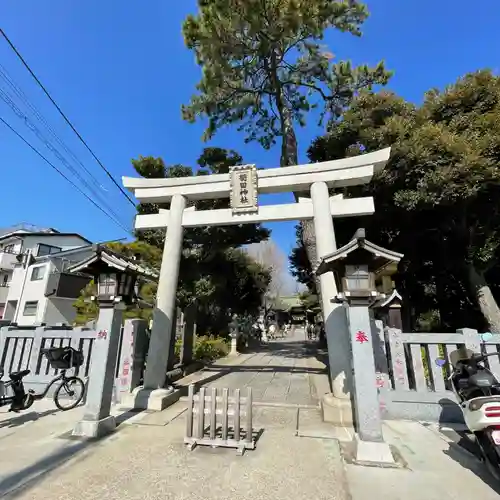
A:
(66, 285)
(8, 259)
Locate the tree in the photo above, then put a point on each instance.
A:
(270, 257)
(436, 197)
(300, 265)
(234, 283)
(231, 281)
(210, 238)
(264, 69)
(213, 271)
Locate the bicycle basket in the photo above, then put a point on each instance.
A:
(64, 358)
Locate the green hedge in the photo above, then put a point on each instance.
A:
(206, 348)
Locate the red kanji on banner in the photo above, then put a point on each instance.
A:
(361, 337)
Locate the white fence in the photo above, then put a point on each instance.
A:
(411, 384)
(20, 349)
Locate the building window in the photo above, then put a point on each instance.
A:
(9, 248)
(38, 273)
(5, 280)
(47, 250)
(30, 308)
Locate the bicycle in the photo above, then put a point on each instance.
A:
(61, 358)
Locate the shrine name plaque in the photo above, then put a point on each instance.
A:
(244, 187)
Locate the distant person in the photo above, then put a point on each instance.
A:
(272, 331)
(310, 331)
(288, 327)
(256, 331)
(321, 337)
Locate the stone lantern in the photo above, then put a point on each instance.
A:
(388, 309)
(357, 266)
(116, 287)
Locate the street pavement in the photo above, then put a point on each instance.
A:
(437, 468)
(297, 455)
(287, 371)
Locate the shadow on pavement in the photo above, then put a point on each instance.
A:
(290, 349)
(17, 483)
(287, 349)
(264, 368)
(464, 449)
(18, 420)
(456, 452)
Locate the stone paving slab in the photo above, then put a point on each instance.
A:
(151, 462)
(437, 470)
(284, 371)
(280, 375)
(297, 455)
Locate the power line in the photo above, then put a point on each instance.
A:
(63, 175)
(8, 100)
(20, 57)
(4, 74)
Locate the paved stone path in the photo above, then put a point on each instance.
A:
(295, 457)
(146, 459)
(286, 371)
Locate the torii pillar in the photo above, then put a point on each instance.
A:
(333, 314)
(153, 395)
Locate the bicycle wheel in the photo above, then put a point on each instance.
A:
(28, 400)
(69, 394)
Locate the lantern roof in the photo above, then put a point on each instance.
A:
(385, 301)
(103, 258)
(359, 251)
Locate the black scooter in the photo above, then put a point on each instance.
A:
(478, 393)
(19, 399)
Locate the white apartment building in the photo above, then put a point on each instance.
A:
(34, 287)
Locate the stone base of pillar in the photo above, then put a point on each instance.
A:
(88, 429)
(234, 346)
(151, 399)
(339, 384)
(337, 411)
(374, 453)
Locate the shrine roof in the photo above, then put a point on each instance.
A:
(103, 255)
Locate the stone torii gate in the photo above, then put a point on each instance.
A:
(242, 185)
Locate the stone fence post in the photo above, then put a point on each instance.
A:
(188, 333)
(97, 420)
(132, 356)
(234, 330)
(472, 340)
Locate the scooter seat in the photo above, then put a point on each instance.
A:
(19, 375)
(482, 379)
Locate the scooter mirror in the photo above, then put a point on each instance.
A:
(486, 336)
(440, 362)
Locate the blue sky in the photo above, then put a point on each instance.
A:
(120, 72)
